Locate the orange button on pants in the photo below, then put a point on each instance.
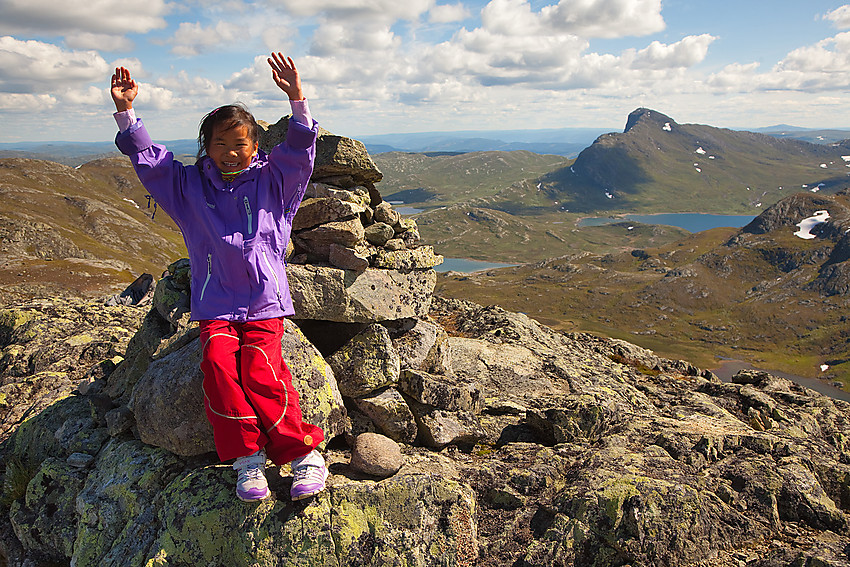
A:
(248, 393)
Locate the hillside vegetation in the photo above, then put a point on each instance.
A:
(523, 207)
(760, 294)
(657, 165)
(82, 231)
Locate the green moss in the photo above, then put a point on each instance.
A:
(612, 494)
(45, 519)
(17, 476)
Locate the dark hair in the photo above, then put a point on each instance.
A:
(226, 117)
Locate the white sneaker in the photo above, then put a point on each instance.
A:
(251, 484)
(309, 474)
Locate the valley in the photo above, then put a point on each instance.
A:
(705, 297)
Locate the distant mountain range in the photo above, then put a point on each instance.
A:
(561, 141)
(566, 142)
(78, 153)
(659, 165)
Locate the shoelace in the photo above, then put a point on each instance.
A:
(307, 472)
(252, 472)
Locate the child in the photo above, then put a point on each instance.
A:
(235, 208)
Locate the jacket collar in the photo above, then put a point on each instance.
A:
(212, 173)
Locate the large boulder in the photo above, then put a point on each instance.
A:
(168, 399)
(49, 347)
(367, 363)
(343, 160)
(330, 294)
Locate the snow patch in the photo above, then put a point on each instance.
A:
(609, 195)
(700, 151)
(806, 225)
(131, 201)
(824, 367)
(845, 158)
(667, 127)
(823, 165)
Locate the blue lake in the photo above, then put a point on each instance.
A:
(692, 222)
(467, 266)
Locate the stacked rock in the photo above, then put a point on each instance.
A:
(363, 352)
(353, 257)
(357, 261)
(343, 221)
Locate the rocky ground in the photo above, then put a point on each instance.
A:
(573, 450)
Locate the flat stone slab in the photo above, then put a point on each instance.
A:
(330, 294)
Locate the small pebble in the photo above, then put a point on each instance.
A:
(376, 455)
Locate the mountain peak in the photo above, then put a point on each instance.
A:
(646, 114)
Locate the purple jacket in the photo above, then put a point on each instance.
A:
(236, 233)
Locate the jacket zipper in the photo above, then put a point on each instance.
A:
(250, 216)
(274, 276)
(209, 275)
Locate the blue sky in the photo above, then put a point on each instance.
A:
(382, 66)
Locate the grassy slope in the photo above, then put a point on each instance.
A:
(680, 303)
(697, 316)
(84, 230)
(650, 169)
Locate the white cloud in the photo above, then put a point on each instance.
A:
(447, 13)
(840, 17)
(820, 67)
(347, 10)
(584, 18)
(203, 92)
(37, 67)
(685, 53)
(99, 41)
(24, 103)
(336, 38)
(91, 96)
(734, 77)
(75, 16)
(830, 55)
(158, 98)
(192, 38)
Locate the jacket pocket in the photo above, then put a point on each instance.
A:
(209, 276)
(274, 275)
(249, 215)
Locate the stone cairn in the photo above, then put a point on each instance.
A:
(363, 352)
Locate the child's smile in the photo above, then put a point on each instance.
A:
(232, 150)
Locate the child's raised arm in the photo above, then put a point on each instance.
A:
(124, 89)
(286, 76)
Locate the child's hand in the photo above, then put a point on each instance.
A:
(286, 76)
(124, 89)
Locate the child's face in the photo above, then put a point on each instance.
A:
(231, 150)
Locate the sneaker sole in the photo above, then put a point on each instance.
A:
(246, 499)
(303, 496)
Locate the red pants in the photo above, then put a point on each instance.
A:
(248, 393)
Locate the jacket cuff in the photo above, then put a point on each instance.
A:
(133, 140)
(300, 136)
